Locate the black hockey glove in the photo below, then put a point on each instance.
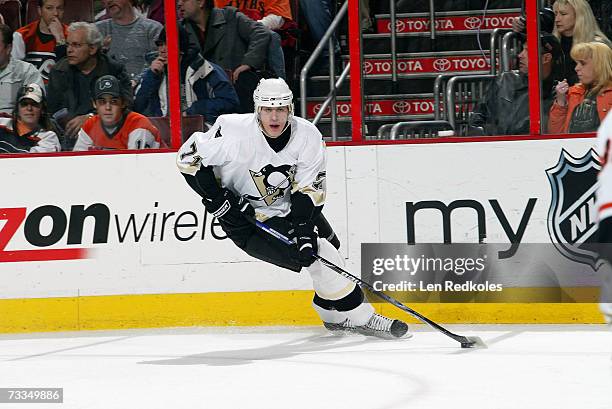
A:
(306, 243)
(230, 210)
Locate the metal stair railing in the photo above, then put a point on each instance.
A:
(432, 18)
(439, 93)
(331, 97)
(510, 44)
(413, 129)
(440, 87)
(334, 85)
(495, 48)
(462, 94)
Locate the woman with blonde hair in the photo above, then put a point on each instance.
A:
(575, 24)
(582, 107)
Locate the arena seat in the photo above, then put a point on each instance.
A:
(189, 125)
(11, 11)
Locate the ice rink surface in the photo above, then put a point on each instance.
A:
(527, 366)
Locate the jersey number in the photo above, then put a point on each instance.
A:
(196, 158)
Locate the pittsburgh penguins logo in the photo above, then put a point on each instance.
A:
(273, 181)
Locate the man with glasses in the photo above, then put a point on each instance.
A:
(115, 126)
(70, 82)
(14, 73)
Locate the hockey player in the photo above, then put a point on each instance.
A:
(604, 207)
(277, 160)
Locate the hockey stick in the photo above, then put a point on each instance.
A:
(466, 342)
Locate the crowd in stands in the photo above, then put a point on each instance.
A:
(51, 69)
(576, 68)
(101, 78)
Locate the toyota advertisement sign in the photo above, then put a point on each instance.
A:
(383, 107)
(428, 65)
(422, 24)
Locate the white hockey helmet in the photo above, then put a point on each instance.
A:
(273, 92)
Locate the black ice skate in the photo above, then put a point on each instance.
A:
(378, 326)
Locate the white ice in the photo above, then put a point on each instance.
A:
(525, 366)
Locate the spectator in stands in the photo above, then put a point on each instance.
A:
(207, 89)
(505, 110)
(115, 126)
(42, 42)
(153, 9)
(29, 129)
(71, 79)
(574, 24)
(547, 21)
(319, 15)
(131, 35)
(13, 73)
(275, 15)
(230, 39)
(271, 13)
(582, 107)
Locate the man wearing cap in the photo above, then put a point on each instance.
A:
(115, 126)
(28, 130)
(206, 88)
(71, 79)
(505, 110)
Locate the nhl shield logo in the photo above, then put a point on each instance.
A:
(572, 221)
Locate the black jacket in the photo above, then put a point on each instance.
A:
(232, 39)
(62, 89)
(505, 110)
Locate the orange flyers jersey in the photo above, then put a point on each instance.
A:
(29, 46)
(136, 132)
(281, 8)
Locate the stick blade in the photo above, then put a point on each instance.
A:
(473, 342)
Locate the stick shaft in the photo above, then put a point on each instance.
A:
(357, 280)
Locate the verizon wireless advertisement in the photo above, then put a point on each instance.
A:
(128, 224)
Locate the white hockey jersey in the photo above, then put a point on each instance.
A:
(41, 141)
(246, 164)
(604, 149)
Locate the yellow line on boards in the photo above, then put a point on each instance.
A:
(251, 309)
